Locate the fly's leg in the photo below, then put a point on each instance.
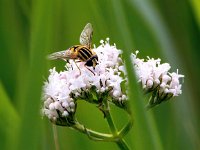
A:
(77, 67)
(91, 62)
(89, 69)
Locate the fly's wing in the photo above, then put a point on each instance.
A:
(58, 55)
(86, 35)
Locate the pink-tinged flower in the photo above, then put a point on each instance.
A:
(156, 78)
(63, 89)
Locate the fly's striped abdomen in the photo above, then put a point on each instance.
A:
(84, 54)
(92, 61)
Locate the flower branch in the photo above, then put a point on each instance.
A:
(102, 85)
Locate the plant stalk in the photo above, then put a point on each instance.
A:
(119, 139)
(93, 135)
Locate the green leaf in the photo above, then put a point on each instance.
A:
(10, 122)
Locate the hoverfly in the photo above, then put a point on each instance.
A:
(80, 53)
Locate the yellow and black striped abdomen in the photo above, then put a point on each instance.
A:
(92, 61)
(84, 53)
(87, 55)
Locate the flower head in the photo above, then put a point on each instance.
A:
(77, 82)
(155, 78)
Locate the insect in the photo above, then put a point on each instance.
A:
(80, 53)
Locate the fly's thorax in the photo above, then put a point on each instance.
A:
(72, 52)
(75, 48)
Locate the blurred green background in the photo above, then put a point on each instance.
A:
(29, 30)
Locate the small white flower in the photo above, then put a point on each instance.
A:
(65, 113)
(175, 86)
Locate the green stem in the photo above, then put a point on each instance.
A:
(122, 144)
(111, 123)
(97, 136)
(55, 135)
(119, 140)
(126, 128)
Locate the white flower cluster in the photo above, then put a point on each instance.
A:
(56, 96)
(155, 76)
(62, 88)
